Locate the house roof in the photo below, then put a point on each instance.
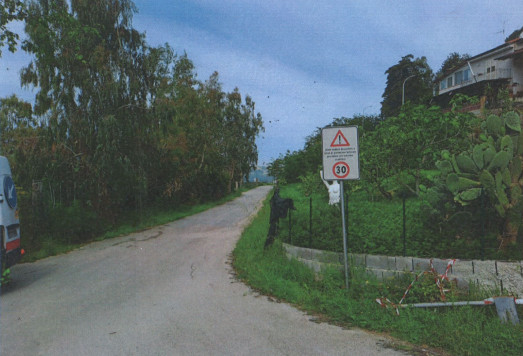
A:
(510, 55)
(507, 45)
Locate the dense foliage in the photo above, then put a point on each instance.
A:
(514, 35)
(489, 174)
(452, 61)
(117, 125)
(10, 10)
(408, 80)
(375, 225)
(428, 156)
(459, 330)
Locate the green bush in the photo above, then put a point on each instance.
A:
(74, 223)
(311, 183)
(375, 226)
(459, 331)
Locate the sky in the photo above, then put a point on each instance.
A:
(306, 62)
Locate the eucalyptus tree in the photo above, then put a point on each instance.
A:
(187, 119)
(94, 78)
(20, 139)
(10, 10)
(241, 127)
(15, 115)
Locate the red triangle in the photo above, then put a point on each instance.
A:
(340, 140)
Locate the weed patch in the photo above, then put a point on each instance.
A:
(67, 239)
(375, 226)
(460, 331)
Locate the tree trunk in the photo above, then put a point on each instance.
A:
(231, 179)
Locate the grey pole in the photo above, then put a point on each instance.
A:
(342, 202)
(403, 92)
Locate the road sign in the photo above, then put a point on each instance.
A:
(341, 162)
(340, 140)
(340, 153)
(341, 170)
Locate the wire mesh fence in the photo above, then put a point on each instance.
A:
(401, 226)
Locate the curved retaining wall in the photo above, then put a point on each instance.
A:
(490, 274)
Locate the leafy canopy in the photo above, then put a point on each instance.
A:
(417, 76)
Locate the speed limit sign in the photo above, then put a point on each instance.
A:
(340, 153)
(341, 170)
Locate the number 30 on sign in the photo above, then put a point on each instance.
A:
(341, 170)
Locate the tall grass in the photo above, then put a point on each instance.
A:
(52, 244)
(461, 331)
(375, 226)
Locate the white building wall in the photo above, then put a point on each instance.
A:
(517, 77)
(483, 68)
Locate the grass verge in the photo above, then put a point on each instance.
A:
(459, 331)
(50, 246)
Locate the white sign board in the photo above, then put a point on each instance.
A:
(340, 153)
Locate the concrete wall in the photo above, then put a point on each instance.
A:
(489, 274)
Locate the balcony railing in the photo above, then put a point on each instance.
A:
(503, 73)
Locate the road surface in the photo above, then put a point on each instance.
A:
(165, 291)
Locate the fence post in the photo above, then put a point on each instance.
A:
(404, 229)
(310, 222)
(482, 253)
(290, 226)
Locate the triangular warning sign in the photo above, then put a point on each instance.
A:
(340, 140)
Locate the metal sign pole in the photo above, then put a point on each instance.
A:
(342, 202)
(341, 162)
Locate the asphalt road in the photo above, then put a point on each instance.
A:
(165, 291)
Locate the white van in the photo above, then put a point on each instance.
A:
(9, 222)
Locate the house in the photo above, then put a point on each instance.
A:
(483, 75)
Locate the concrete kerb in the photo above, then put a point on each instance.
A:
(404, 264)
(488, 274)
(326, 256)
(356, 259)
(381, 262)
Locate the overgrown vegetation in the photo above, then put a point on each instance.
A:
(461, 331)
(56, 242)
(460, 174)
(118, 127)
(375, 226)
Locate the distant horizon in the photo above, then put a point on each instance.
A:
(261, 174)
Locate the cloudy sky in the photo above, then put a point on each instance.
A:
(305, 62)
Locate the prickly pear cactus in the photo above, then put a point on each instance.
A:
(493, 167)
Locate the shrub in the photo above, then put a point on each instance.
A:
(74, 223)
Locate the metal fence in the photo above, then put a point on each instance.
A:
(406, 238)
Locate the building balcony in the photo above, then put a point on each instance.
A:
(505, 73)
(499, 74)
